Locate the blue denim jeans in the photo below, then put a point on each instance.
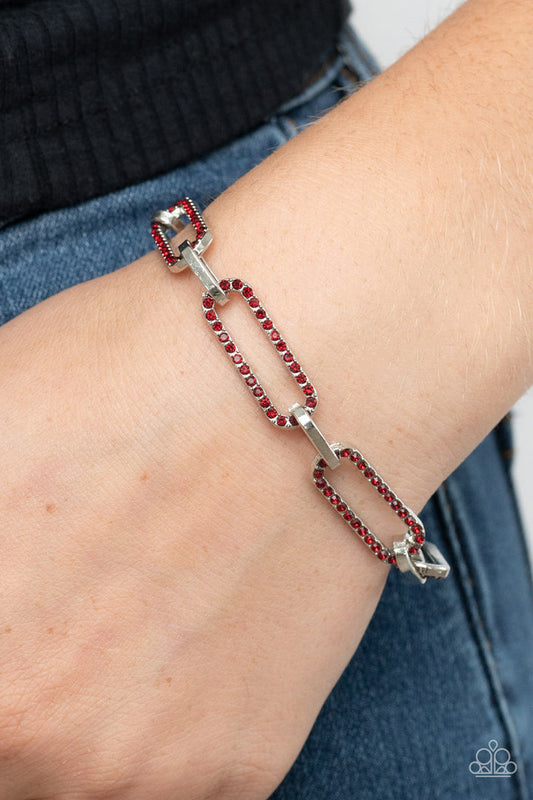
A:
(443, 669)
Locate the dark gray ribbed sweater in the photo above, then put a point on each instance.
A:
(99, 94)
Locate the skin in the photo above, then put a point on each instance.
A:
(177, 600)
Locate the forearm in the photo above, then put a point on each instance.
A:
(400, 228)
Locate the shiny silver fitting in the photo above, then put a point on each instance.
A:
(428, 562)
(189, 254)
(203, 272)
(309, 427)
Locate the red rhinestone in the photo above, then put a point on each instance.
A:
(217, 325)
(369, 473)
(267, 324)
(355, 523)
(420, 538)
(211, 315)
(409, 521)
(311, 402)
(402, 513)
(348, 516)
(260, 313)
(208, 302)
(354, 457)
(258, 391)
(251, 381)
(328, 491)
(247, 292)
(281, 421)
(253, 302)
(301, 378)
(362, 465)
(321, 464)
(395, 505)
(416, 528)
(413, 550)
(237, 358)
(382, 555)
(376, 547)
(224, 337)
(224, 285)
(362, 531)
(334, 499)
(318, 473)
(230, 347)
(288, 357)
(245, 369)
(389, 498)
(392, 559)
(382, 489)
(237, 284)
(320, 483)
(281, 346)
(264, 402)
(341, 508)
(345, 453)
(369, 538)
(271, 412)
(275, 336)
(375, 481)
(294, 367)
(308, 390)
(292, 420)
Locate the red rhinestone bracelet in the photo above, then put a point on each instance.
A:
(413, 554)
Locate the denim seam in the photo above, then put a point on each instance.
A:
(356, 54)
(447, 508)
(312, 91)
(352, 55)
(508, 460)
(287, 127)
(345, 86)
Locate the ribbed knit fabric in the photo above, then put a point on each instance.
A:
(99, 94)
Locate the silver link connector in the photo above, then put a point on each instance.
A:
(422, 568)
(306, 423)
(203, 272)
(189, 254)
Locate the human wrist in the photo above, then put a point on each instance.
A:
(410, 553)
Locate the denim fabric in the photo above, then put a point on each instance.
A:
(442, 669)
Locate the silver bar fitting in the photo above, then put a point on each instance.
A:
(422, 569)
(306, 423)
(203, 272)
